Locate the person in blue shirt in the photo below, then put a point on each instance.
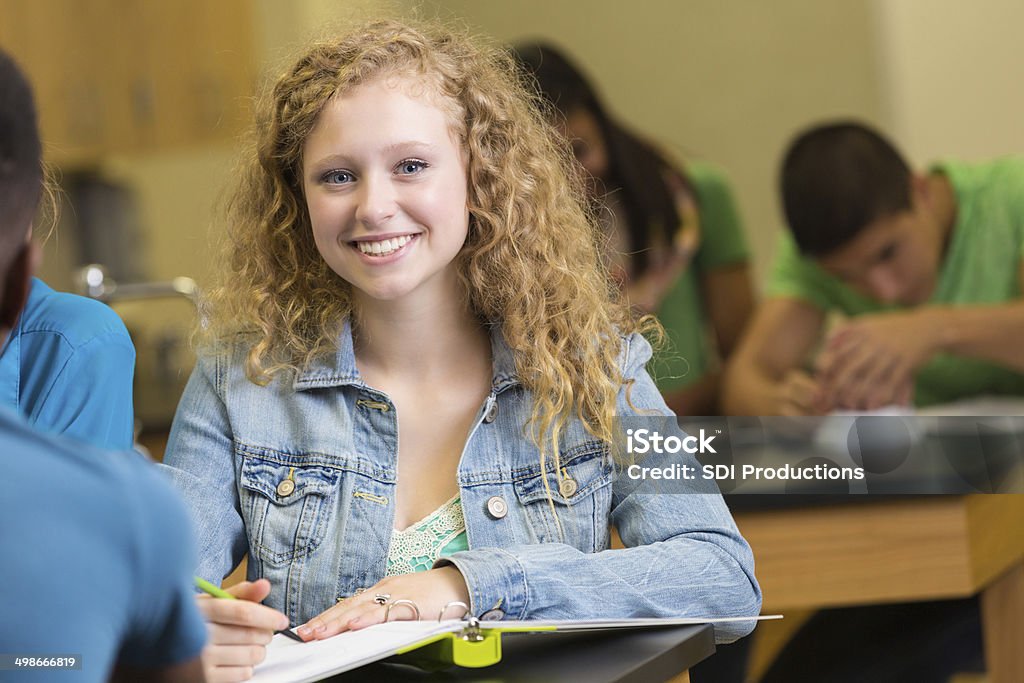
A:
(98, 550)
(68, 366)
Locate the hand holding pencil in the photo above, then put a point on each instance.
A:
(239, 628)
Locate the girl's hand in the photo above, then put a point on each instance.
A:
(430, 590)
(239, 631)
(687, 238)
(646, 292)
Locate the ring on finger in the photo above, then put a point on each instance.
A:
(382, 598)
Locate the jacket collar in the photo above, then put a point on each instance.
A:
(340, 369)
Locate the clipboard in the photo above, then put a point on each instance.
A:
(431, 645)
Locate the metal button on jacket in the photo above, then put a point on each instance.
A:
(492, 413)
(497, 507)
(286, 487)
(568, 487)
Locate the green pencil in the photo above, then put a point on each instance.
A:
(218, 592)
(210, 589)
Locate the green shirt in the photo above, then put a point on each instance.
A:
(981, 266)
(688, 351)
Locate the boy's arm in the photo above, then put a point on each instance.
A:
(868, 356)
(988, 332)
(729, 300)
(765, 375)
(991, 333)
(867, 360)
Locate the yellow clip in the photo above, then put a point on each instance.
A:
(448, 649)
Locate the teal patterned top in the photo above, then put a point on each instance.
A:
(439, 534)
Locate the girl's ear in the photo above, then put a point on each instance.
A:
(16, 285)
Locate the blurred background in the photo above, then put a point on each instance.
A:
(143, 103)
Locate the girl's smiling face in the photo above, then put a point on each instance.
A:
(385, 181)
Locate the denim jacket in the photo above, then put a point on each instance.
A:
(325, 534)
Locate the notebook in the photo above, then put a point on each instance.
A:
(441, 643)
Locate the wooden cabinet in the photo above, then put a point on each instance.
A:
(126, 76)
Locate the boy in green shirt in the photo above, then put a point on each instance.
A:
(927, 268)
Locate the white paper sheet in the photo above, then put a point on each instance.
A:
(289, 661)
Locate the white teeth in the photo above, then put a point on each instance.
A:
(383, 247)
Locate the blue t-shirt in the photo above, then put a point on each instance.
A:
(97, 558)
(68, 367)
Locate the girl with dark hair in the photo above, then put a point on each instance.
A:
(673, 233)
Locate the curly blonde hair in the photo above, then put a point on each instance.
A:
(530, 262)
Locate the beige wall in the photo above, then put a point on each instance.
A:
(953, 75)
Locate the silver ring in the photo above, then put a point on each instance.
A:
(398, 603)
(454, 603)
(382, 598)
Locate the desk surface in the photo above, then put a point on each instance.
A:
(918, 548)
(624, 656)
(922, 548)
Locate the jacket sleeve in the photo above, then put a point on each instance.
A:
(684, 555)
(200, 463)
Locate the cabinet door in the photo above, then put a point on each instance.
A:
(201, 93)
(50, 39)
(117, 76)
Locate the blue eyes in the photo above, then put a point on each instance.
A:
(406, 167)
(337, 177)
(411, 166)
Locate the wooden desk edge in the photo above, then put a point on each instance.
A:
(891, 551)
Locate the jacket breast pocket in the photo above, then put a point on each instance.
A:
(287, 507)
(581, 499)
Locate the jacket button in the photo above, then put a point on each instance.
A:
(286, 487)
(495, 614)
(492, 413)
(568, 487)
(497, 507)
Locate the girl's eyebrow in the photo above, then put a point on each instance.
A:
(330, 160)
(404, 146)
(408, 144)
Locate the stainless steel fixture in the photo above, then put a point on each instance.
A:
(160, 316)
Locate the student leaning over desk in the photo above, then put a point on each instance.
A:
(927, 267)
(413, 292)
